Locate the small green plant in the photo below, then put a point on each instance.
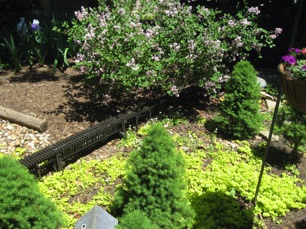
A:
(49, 44)
(22, 204)
(272, 90)
(59, 47)
(154, 182)
(240, 111)
(292, 169)
(13, 51)
(18, 153)
(136, 219)
(3, 66)
(291, 124)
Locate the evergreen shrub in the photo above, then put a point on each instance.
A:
(136, 219)
(240, 111)
(154, 182)
(23, 206)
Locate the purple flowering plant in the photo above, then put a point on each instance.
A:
(34, 40)
(159, 43)
(295, 63)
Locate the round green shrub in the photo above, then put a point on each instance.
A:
(136, 219)
(22, 204)
(240, 115)
(154, 182)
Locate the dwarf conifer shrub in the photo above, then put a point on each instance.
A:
(291, 124)
(154, 182)
(136, 219)
(240, 111)
(22, 204)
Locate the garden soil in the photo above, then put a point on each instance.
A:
(69, 107)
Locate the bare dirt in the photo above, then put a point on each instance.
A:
(69, 107)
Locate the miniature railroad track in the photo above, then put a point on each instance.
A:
(56, 156)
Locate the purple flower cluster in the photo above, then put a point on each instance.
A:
(245, 22)
(277, 32)
(293, 53)
(232, 23)
(81, 14)
(35, 25)
(254, 10)
(295, 50)
(237, 42)
(175, 91)
(289, 59)
(295, 62)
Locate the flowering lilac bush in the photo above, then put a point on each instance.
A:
(127, 46)
(295, 62)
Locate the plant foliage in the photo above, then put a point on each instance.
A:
(154, 182)
(240, 111)
(128, 46)
(13, 52)
(44, 44)
(232, 177)
(291, 124)
(221, 182)
(136, 219)
(22, 204)
(81, 179)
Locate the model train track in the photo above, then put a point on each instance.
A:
(56, 156)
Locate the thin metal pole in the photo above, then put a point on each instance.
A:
(296, 23)
(268, 143)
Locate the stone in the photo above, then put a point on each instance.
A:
(271, 104)
(17, 143)
(265, 135)
(265, 95)
(9, 127)
(261, 82)
(96, 218)
(14, 136)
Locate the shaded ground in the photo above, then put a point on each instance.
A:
(69, 107)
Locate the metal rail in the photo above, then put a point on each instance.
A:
(56, 156)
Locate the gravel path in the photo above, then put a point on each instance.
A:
(14, 136)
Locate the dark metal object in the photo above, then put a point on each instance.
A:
(268, 144)
(57, 156)
(296, 23)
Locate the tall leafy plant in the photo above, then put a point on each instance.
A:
(154, 182)
(240, 115)
(59, 47)
(45, 43)
(124, 46)
(13, 51)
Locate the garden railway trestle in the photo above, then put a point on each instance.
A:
(56, 156)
